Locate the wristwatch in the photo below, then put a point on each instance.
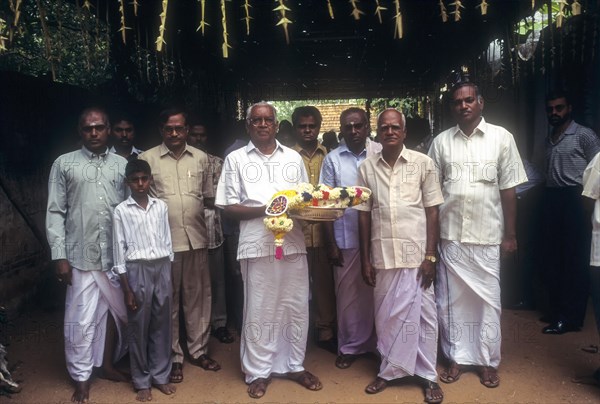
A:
(431, 258)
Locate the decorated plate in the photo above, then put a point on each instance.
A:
(277, 206)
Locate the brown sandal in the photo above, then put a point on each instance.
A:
(258, 387)
(206, 362)
(452, 373)
(376, 386)
(306, 380)
(488, 376)
(176, 375)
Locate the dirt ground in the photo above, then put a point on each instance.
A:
(535, 368)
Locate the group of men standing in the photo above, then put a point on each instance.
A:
(423, 252)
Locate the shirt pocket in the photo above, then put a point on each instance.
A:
(163, 184)
(410, 189)
(194, 183)
(487, 172)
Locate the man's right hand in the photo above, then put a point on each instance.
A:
(335, 256)
(64, 271)
(368, 274)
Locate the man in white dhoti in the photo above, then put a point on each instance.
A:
(479, 167)
(83, 189)
(398, 260)
(275, 325)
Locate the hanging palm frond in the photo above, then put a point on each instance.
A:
(203, 23)
(283, 21)
(560, 15)
(123, 28)
(443, 11)
(87, 5)
(356, 12)
(47, 42)
(457, 6)
(136, 6)
(226, 46)
(378, 11)
(398, 31)
(247, 16)
(160, 41)
(330, 9)
(483, 6)
(576, 7)
(3, 38)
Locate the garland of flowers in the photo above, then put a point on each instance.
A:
(306, 196)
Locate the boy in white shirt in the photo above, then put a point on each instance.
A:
(142, 259)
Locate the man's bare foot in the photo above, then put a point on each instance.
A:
(167, 389)
(111, 373)
(144, 395)
(81, 393)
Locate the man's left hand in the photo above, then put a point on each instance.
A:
(426, 273)
(508, 245)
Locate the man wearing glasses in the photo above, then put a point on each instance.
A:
(355, 314)
(569, 149)
(276, 293)
(183, 180)
(83, 189)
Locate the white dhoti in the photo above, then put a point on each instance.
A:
(275, 327)
(89, 298)
(468, 300)
(354, 301)
(406, 324)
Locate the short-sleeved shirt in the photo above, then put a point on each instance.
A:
(340, 169)
(140, 234)
(83, 190)
(569, 156)
(591, 189)
(183, 184)
(313, 232)
(399, 197)
(251, 178)
(473, 170)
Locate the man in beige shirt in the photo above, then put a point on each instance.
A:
(307, 124)
(399, 231)
(182, 179)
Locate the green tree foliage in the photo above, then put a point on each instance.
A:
(59, 39)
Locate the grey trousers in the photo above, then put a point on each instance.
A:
(149, 327)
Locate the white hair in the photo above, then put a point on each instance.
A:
(261, 104)
(392, 109)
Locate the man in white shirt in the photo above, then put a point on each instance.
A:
(479, 167)
(276, 323)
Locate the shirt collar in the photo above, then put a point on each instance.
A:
(164, 150)
(404, 156)
(572, 128)
(480, 129)
(300, 150)
(130, 201)
(343, 148)
(250, 146)
(90, 155)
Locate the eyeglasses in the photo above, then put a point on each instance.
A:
(170, 129)
(310, 126)
(262, 121)
(89, 129)
(385, 128)
(557, 108)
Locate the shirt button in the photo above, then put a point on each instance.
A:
(100, 197)
(99, 183)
